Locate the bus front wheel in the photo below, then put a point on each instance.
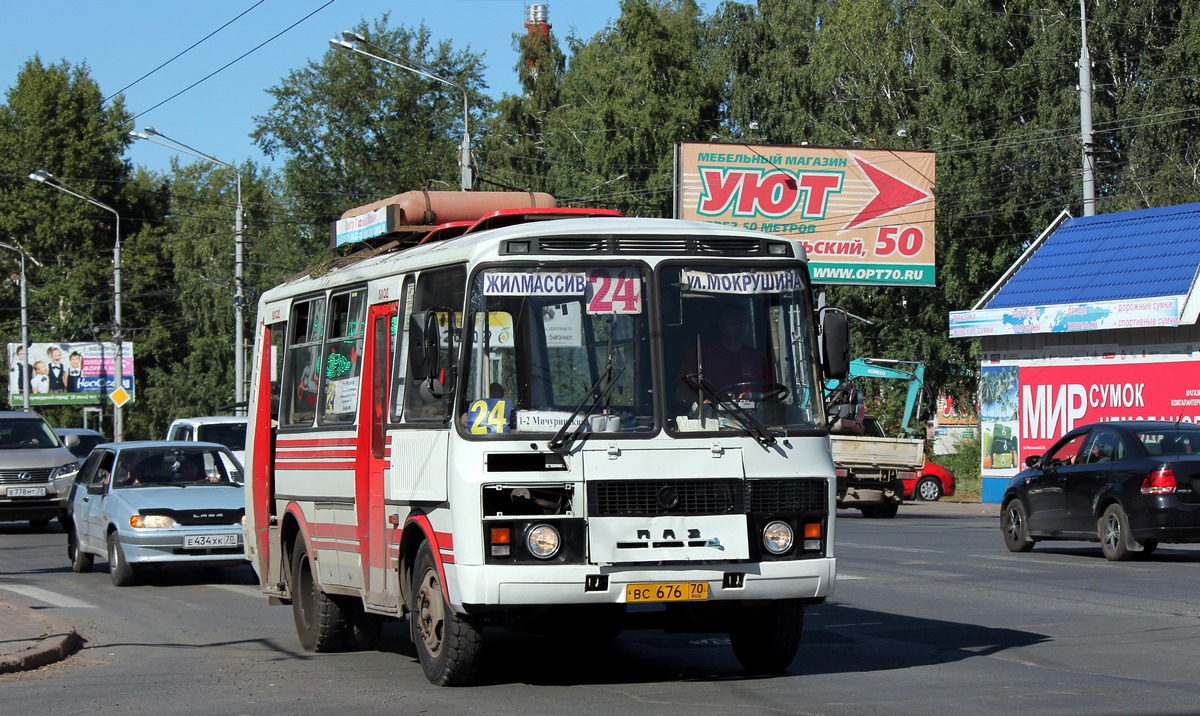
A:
(449, 645)
(766, 636)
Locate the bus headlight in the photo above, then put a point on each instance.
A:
(543, 541)
(778, 537)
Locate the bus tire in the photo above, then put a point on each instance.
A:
(766, 636)
(320, 619)
(449, 645)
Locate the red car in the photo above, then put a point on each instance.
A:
(930, 484)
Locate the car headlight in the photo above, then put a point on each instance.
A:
(543, 541)
(778, 537)
(152, 521)
(66, 471)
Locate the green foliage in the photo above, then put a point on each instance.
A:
(352, 129)
(989, 87)
(965, 465)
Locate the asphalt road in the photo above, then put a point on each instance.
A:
(931, 616)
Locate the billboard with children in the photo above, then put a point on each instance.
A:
(67, 373)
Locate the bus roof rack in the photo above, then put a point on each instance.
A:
(510, 217)
(407, 218)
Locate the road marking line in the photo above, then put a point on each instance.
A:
(45, 595)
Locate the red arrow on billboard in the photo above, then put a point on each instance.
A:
(891, 194)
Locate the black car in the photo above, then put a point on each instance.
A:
(1128, 485)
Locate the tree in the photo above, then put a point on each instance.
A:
(353, 129)
(53, 119)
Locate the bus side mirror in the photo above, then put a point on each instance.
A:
(430, 353)
(430, 387)
(835, 343)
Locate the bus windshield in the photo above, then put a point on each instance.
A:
(558, 349)
(738, 350)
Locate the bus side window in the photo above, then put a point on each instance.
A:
(343, 357)
(302, 363)
(277, 332)
(439, 294)
(403, 336)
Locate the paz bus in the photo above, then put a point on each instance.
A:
(486, 424)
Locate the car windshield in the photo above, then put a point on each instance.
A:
(175, 466)
(26, 433)
(231, 435)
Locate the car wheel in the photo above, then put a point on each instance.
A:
(81, 561)
(320, 619)
(929, 489)
(119, 569)
(765, 638)
(1014, 526)
(1113, 530)
(449, 645)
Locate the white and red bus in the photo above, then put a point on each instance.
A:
(492, 427)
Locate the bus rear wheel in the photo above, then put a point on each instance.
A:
(449, 645)
(766, 636)
(320, 619)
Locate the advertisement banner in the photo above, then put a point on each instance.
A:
(68, 373)
(865, 217)
(1070, 318)
(1025, 408)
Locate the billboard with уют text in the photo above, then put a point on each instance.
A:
(864, 216)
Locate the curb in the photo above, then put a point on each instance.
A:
(56, 642)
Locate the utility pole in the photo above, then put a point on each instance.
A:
(1085, 119)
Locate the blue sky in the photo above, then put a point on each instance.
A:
(122, 40)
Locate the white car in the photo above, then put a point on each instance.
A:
(156, 503)
(222, 429)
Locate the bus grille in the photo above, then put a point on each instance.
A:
(642, 498)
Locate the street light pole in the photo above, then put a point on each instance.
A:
(44, 177)
(24, 323)
(239, 296)
(351, 40)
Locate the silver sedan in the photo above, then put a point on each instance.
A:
(156, 503)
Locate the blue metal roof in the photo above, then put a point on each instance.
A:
(1148, 253)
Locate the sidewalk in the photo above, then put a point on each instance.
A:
(30, 638)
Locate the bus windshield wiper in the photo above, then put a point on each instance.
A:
(749, 423)
(561, 437)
